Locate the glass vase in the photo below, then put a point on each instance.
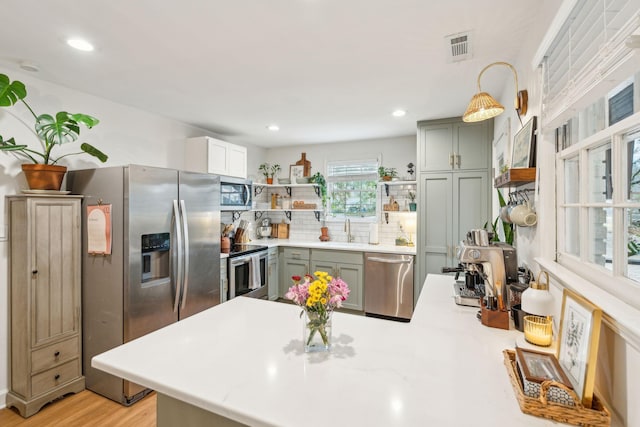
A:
(316, 331)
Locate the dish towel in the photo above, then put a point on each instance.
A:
(255, 272)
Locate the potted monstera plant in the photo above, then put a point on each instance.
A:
(41, 168)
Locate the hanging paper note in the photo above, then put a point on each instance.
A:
(99, 229)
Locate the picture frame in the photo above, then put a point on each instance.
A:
(524, 146)
(578, 341)
(502, 149)
(296, 171)
(539, 367)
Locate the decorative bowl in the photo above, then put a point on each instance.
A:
(284, 181)
(302, 180)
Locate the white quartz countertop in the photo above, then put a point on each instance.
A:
(338, 246)
(244, 360)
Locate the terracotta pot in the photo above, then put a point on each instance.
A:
(387, 177)
(44, 177)
(269, 180)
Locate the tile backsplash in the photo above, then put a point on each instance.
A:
(305, 227)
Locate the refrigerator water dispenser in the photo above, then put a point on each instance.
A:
(155, 256)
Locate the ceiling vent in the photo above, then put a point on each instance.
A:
(458, 46)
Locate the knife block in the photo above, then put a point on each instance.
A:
(493, 318)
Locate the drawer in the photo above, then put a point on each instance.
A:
(339, 257)
(296, 253)
(51, 355)
(52, 378)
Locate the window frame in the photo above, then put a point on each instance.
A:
(331, 215)
(613, 281)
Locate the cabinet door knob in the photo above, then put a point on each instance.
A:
(34, 272)
(56, 354)
(57, 377)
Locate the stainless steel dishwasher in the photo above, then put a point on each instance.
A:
(388, 285)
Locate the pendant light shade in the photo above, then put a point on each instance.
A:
(483, 106)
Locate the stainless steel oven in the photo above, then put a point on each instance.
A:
(247, 270)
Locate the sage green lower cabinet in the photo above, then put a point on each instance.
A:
(273, 279)
(294, 262)
(349, 266)
(224, 280)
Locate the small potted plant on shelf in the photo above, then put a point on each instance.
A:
(42, 170)
(412, 205)
(269, 170)
(387, 174)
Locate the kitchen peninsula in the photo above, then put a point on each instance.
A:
(242, 363)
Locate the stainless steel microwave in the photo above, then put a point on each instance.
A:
(235, 194)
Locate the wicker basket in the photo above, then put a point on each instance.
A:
(576, 415)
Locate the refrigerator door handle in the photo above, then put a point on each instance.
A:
(178, 222)
(185, 283)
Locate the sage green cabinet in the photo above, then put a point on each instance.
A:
(273, 279)
(454, 160)
(349, 266)
(294, 262)
(452, 145)
(224, 280)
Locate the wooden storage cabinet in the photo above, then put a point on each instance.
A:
(349, 266)
(45, 323)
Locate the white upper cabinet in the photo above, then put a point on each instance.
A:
(206, 154)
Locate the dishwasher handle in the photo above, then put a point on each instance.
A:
(389, 260)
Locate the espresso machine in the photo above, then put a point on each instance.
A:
(489, 268)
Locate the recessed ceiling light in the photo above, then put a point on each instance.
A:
(398, 113)
(29, 66)
(80, 44)
(273, 128)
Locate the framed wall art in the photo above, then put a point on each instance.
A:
(296, 171)
(502, 149)
(524, 146)
(578, 343)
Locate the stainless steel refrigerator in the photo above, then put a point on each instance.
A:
(164, 264)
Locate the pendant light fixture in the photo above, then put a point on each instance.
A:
(484, 106)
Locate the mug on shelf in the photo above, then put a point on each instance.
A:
(523, 215)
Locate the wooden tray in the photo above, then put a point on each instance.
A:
(578, 415)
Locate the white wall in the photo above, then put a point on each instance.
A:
(394, 152)
(126, 134)
(618, 368)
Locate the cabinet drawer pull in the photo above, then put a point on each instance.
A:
(57, 377)
(56, 354)
(34, 272)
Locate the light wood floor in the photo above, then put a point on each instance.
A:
(86, 409)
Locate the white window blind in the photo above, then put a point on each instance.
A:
(361, 170)
(586, 53)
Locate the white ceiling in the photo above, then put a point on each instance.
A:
(323, 70)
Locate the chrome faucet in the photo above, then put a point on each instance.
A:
(347, 229)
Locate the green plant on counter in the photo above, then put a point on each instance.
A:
(506, 227)
(51, 130)
(318, 178)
